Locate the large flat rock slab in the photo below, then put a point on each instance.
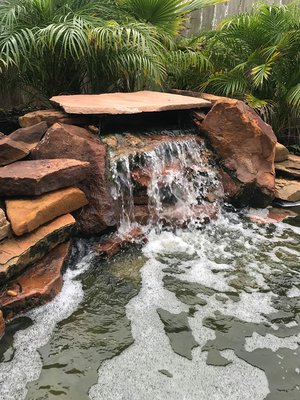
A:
(41, 176)
(37, 285)
(16, 254)
(25, 215)
(127, 103)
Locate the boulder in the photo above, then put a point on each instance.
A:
(19, 143)
(269, 215)
(245, 146)
(281, 152)
(37, 285)
(2, 324)
(31, 178)
(4, 225)
(287, 190)
(68, 141)
(25, 215)
(16, 254)
(50, 117)
(289, 168)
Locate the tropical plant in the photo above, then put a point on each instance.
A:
(70, 46)
(256, 57)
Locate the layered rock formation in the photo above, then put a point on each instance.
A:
(69, 141)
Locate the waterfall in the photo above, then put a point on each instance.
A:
(179, 180)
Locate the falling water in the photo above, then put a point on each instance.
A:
(180, 181)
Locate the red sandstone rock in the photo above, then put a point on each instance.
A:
(38, 284)
(141, 213)
(68, 141)
(16, 254)
(19, 143)
(270, 216)
(2, 324)
(37, 177)
(246, 146)
(25, 215)
(116, 243)
(127, 103)
(50, 117)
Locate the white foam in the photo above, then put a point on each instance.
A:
(136, 370)
(26, 364)
(293, 292)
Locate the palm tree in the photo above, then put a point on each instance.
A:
(256, 57)
(55, 46)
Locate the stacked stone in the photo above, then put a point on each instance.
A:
(41, 184)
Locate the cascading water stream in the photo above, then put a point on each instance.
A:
(180, 178)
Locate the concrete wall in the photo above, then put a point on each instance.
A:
(209, 17)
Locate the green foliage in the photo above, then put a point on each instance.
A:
(256, 57)
(49, 47)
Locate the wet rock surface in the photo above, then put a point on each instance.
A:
(68, 141)
(25, 215)
(37, 285)
(246, 147)
(41, 176)
(18, 253)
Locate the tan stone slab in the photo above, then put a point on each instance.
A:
(290, 167)
(50, 116)
(127, 103)
(25, 215)
(18, 253)
(41, 176)
(4, 225)
(287, 190)
(37, 285)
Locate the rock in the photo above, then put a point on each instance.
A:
(25, 215)
(114, 244)
(287, 190)
(281, 152)
(4, 225)
(11, 151)
(38, 284)
(50, 117)
(246, 148)
(141, 213)
(2, 324)
(18, 253)
(36, 177)
(19, 143)
(206, 96)
(289, 168)
(68, 141)
(270, 216)
(127, 103)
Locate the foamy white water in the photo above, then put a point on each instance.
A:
(26, 364)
